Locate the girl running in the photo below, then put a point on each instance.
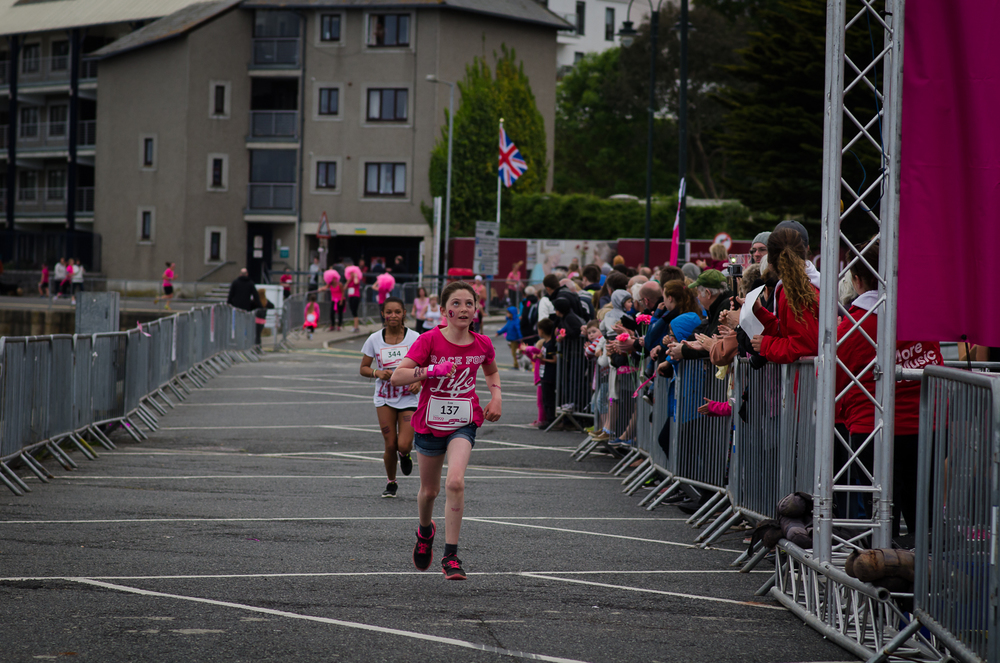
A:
(448, 416)
(394, 404)
(168, 286)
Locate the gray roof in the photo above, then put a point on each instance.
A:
(529, 11)
(19, 17)
(168, 27)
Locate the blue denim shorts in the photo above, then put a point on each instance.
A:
(427, 444)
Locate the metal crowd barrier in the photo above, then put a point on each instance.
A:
(574, 373)
(64, 389)
(957, 585)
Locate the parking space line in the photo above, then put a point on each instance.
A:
(592, 533)
(335, 622)
(714, 599)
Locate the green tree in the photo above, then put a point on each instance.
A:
(486, 96)
(601, 131)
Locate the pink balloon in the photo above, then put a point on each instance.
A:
(330, 276)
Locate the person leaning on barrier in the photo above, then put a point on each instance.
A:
(794, 331)
(714, 296)
(857, 354)
(243, 293)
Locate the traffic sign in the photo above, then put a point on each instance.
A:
(323, 232)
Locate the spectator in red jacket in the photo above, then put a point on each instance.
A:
(858, 354)
(794, 332)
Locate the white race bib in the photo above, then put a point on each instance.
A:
(311, 317)
(390, 357)
(449, 413)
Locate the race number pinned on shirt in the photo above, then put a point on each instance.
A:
(449, 413)
(311, 317)
(391, 356)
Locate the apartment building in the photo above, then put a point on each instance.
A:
(593, 26)
(228, 129)
(48, 113)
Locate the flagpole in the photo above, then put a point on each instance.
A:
(498, 185)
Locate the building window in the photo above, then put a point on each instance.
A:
(147, 224)
(389, 30)
(609, 24)
(147, 155)
(329, 30)
(385, 179)
(272, 179)
(577, 56)
(215, 246)
(387, 104)
(218, 172)
(275, 23)
(55, 188)
(28, 127)
(60, 55)
(326, 174)
(31, 58)
(329, 101)
(581, 15)
(27, 186)
(219, 96)
(58, 116)
(219, 107)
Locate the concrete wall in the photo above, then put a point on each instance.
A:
(142, 94)
(218, 52)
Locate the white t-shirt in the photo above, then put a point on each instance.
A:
(388, 356)
(433, 316)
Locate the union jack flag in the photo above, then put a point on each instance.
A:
(512, 164)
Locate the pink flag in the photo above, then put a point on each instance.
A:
(675, 242)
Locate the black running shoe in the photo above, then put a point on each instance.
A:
(405, 464)
(452, 567)
(390, 489)
(423, 551)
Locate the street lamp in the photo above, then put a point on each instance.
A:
(447, 196)
(627, 36)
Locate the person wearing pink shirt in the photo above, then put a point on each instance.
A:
(447, 360)
(168, 285)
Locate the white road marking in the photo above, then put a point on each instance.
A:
(367, 574)
(215, 477)
(302, 519)
(591, 533)
(335, 622)
(750, 604)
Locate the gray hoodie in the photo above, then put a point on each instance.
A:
(618, 298)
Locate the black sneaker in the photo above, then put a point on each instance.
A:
(452, 567)
(405, 464)
(390, 489)
(423, 551)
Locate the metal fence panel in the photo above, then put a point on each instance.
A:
(758, 479)
(702, 442)
(957, 586)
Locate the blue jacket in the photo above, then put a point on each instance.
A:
(513, 327)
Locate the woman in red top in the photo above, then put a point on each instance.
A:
(447, 359)
(858, 354)
(794, 332)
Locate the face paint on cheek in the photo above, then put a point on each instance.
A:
(451, 314)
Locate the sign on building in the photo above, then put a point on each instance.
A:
(487, 255)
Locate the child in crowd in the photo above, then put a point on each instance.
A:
(286, 282)
(534, 354)
(311, 316)
(513, 331)
(546, 332)
(594, 351)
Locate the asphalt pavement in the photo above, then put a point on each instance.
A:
(250, 527)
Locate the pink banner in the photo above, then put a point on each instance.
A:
(949, 223)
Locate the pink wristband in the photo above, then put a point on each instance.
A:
(439, 370)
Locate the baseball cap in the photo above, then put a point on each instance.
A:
(710, 278)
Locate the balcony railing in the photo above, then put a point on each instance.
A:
(53, 69)
(271, 197)
(51, 134)
(274, 124)
(276, 52)
(49, 199)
